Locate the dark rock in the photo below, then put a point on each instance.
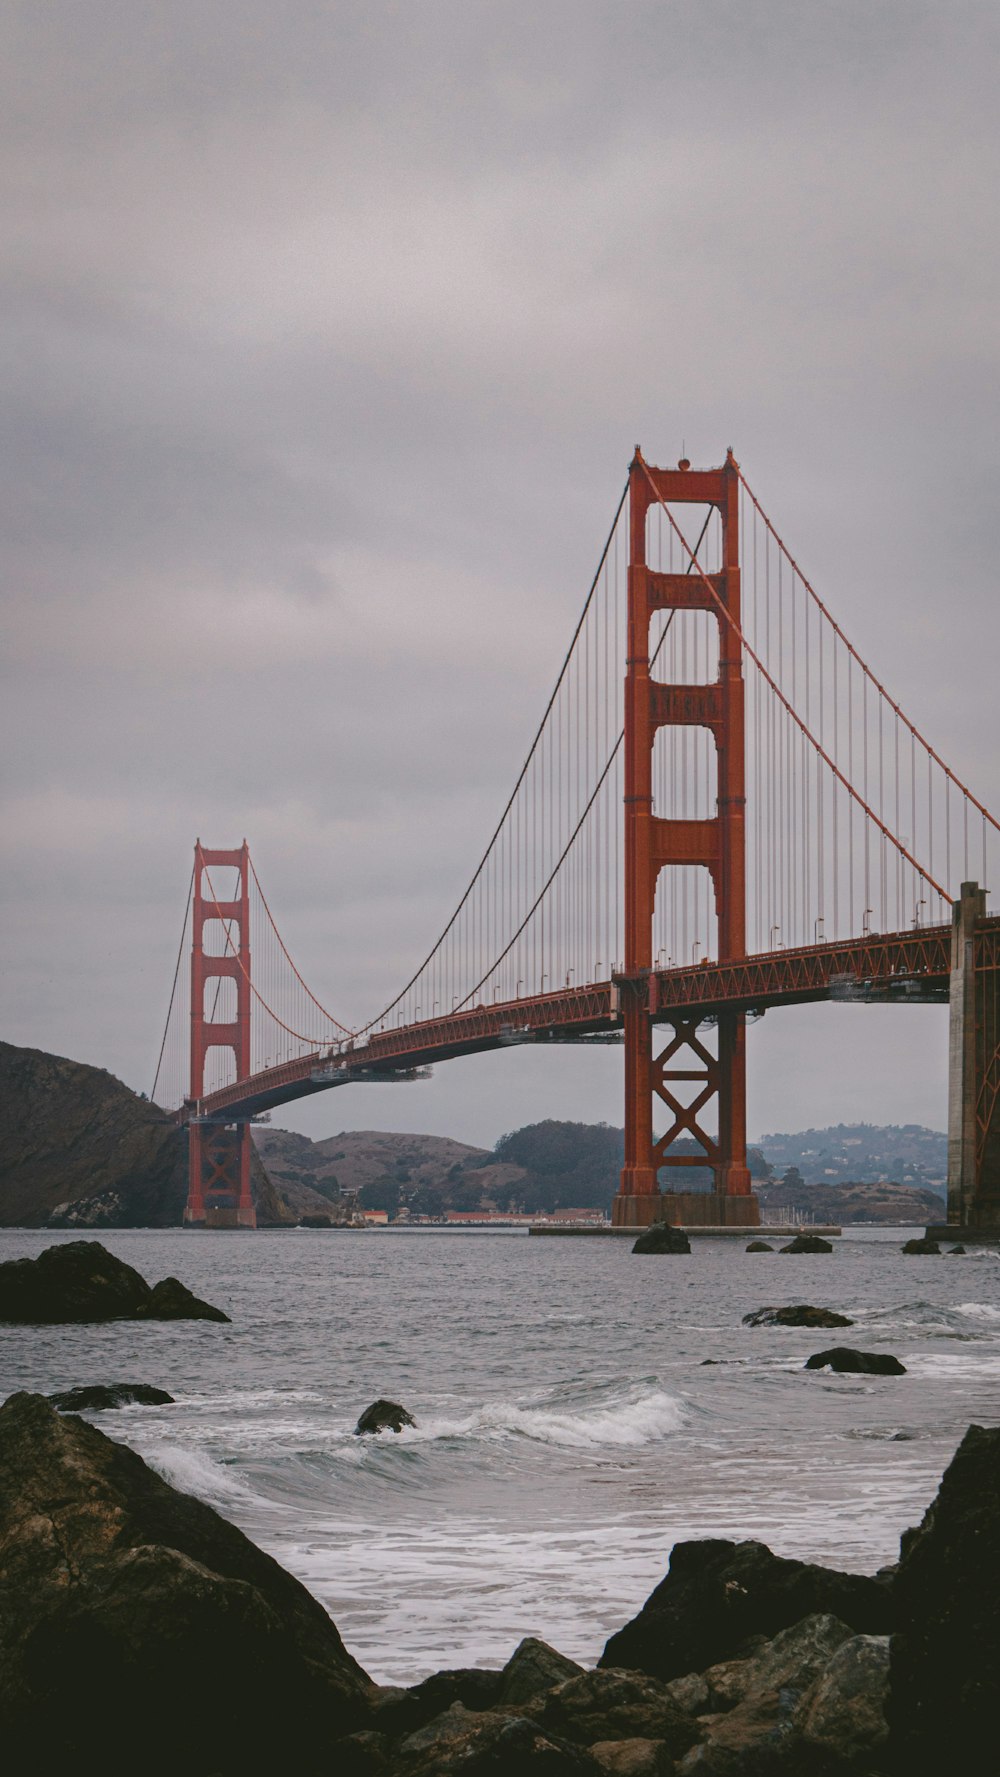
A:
(315, 1221)
(759, 1724)
(799, 1315)
(172, 1300)
(134, 1616)
(101, 1397)
(383, 1416)
(920, 1246)
(534, 1667)
(863, 1363)
(616, 1705)
(844, 1718)
(718, 1593)
(75, 1282)
(462, 1744)
(366, 1754)
(633, 1758)
(404, 1711)
(80, 1281)
(955, 1252)
(807, 1243)
(759, 1246)
(946, 1655)
(660, 1237)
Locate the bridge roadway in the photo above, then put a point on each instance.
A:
(888, 966)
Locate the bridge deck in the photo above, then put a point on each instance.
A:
(894, 966)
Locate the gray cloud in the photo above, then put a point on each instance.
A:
(327, 336)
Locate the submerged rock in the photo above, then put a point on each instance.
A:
(800, 1314)
(807, 1243)
(383, 1416)
(136, 1618)
(103, 1396)
(946, 1654)
(863, 1363)
(718, 1593)
(954, 1252)
(758, 1246)
(922, 1245)
(660, 1237)
(80, 1281)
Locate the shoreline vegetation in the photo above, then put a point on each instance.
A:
(142, 1626)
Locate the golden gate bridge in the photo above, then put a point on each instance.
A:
(722, 810)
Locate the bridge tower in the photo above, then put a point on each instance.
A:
(654, 843)
(973, 1071)
(219, 1153)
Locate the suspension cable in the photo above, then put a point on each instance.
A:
(320, 1008)
(520, 779)
(173, 990)
(880, 688)
(796, 718)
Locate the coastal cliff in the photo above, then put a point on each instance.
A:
(80, 1149)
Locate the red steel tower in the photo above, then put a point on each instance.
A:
(219, 1152)
(655, 842)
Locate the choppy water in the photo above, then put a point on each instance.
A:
(569, 1426)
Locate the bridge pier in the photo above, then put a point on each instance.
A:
(973, 1072)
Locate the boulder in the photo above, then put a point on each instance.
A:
(135, 1617)
(807, 1243)
(718, 1593)
(76, 1281)
(80, 1281)
(617, 1705)
(102, 1396)
(920, 1246)
(315, 1221)
(172, 1300)
(462, 1744)
(759, 1246)
(955, 1252)
(383, 1416)
(660, 1237)
(633, 1758)
(759, 1725)
(863, 1363)
(946, 1654)
(534, 1667)
(844, 1716)
(799, 1315)
(404, 1711)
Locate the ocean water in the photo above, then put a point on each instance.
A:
(579, 1409)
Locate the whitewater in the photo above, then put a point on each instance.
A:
(579, 1409)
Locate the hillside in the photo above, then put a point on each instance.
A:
(558, 1165)
(424, 1173)
(80, 1149)
(865, 1153)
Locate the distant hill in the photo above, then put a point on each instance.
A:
(80, 1149)
(563, 1165)
(863, 1153)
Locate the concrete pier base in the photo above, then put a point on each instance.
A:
(684, 1209)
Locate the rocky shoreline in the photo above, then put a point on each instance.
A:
(142, 1628)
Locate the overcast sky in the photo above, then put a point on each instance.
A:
(327, 335)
